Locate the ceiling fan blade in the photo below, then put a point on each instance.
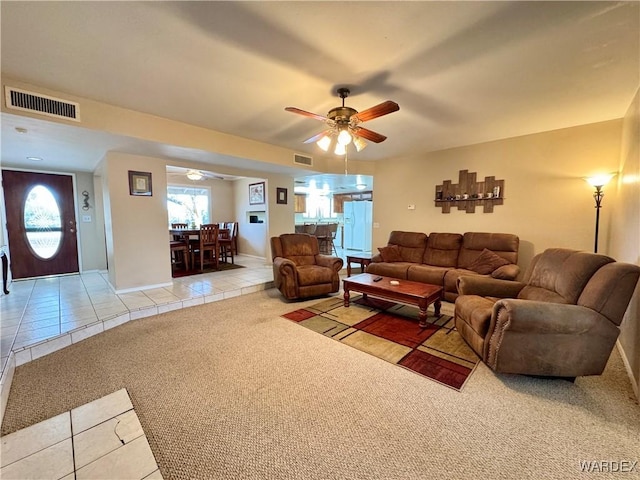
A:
(379, 110)
(306, 114)
(317, 137)
(369, 134)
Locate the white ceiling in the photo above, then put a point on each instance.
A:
(462, 72)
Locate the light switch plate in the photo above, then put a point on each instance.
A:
(411, 207)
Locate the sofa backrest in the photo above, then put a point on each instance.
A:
(443, 249)
(610, 290)
(412, 245)
(473, 243)
(560, 275)
(300, 248)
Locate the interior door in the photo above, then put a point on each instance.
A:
(41, 223)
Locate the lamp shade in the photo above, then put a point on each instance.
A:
(600, 180)
(324, 143)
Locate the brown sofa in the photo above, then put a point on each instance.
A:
(441, 258)
(299, 270)
(561, 320)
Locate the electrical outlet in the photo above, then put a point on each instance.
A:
(376, 225)
(86, 218)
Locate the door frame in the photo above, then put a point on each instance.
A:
(75, 211)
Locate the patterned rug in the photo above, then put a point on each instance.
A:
(390, 331)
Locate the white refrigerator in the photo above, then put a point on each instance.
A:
(358, 223)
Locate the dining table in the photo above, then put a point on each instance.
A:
(193, 234)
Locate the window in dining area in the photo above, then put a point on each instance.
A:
(190, 205)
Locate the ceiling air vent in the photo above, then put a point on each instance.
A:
(302, 160)
(42, 104)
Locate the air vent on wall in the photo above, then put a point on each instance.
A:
(302, 160)
(42, 104)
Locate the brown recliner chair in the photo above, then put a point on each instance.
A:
(299, 270)
(561, 321)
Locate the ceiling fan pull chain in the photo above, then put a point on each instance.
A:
(346, 172)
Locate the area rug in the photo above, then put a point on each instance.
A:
(222, 267)
(390, 331)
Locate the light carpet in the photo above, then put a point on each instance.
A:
(231, 390)
(391, 332)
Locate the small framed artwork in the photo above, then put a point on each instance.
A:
(256, 193)
(140, 183)
(281, 196)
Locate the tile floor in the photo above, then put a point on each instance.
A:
(44, 315)
(102, 439)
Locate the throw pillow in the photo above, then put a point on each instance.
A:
(487, 262)
(390, 253)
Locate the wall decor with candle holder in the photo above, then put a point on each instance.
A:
(468, 193)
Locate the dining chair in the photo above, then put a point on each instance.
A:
(234, 238)
(333, 230)
(208, 242)
(179, 253)
(181, 226)
(323, 235)
(225, 238)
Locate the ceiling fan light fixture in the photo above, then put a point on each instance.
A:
(324, 143)
(194, 175)
(340, 149)
(359, 143)
(344, 137)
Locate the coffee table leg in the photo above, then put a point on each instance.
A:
(437, 306)
(422, 316)
(346, 297)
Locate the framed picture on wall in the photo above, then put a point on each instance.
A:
(256, 193)
(140, 183)
(281, 196)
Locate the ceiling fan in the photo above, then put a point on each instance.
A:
(344, 124)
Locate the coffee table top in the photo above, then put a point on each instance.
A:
(406, 287)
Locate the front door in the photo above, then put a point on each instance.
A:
(41, 223)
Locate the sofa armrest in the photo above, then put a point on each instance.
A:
(377, 258)
(285, 266)
(506, 272)
(545, 338)
(530, 316)
(334, 263)
(488, 287)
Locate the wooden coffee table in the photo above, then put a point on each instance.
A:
(413, 293)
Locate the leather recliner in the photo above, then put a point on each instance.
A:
(299, 270)
(562, 320)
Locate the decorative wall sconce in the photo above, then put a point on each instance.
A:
(598, 181)
(85, 200)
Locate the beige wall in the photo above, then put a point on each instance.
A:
(547, 204)
(136, 226)
(90, 233)
(625, 231)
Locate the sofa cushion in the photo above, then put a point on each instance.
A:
(395, 269)
(313, 275)
(390, 253)
(412, 245)
(442, 249)
(487, 262)
(473, 243)
(301, 249)
(563, 272)
(427, 274)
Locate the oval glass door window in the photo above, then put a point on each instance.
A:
(42, 222)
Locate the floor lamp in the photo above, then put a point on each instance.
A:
(598, 181)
